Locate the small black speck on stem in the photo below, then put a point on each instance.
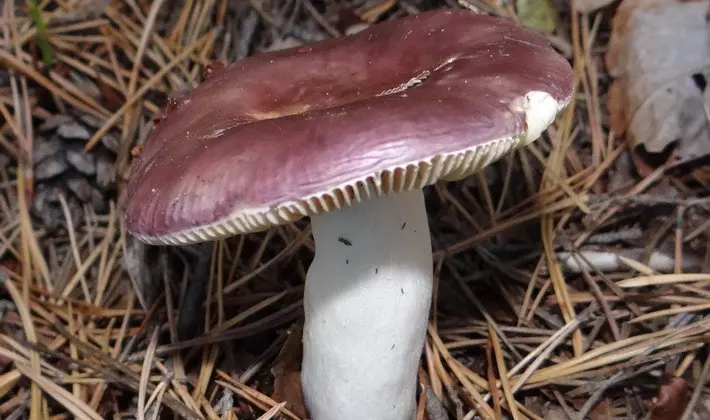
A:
(403, 225)
(344, 241)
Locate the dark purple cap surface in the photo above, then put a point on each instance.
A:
(289, 133)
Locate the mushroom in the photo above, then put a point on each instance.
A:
(348, 132)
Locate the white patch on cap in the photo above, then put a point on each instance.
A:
(540, 111)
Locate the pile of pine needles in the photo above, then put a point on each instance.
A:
(569, 283)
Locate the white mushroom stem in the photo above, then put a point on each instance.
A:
(367, 300)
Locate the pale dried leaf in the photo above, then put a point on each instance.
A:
(659, 50)
(84, 10)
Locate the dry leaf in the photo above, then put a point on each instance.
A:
(554, 413)
(287, 375)
(85, 10)
(11, 264)
(111, 98)
(660, 55)
(671, 400)
(600, 411)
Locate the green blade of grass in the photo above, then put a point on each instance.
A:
(42, 40)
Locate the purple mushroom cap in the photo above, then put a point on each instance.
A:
(291, 133)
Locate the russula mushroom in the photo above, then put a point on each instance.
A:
(348, 132)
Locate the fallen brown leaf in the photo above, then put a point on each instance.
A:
(112, 99)
(671, 399)
(12, 265)
(287, 375)
(600, 411)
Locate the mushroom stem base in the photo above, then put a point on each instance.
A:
(367, 299)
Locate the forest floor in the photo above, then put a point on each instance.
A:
(576, 270)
